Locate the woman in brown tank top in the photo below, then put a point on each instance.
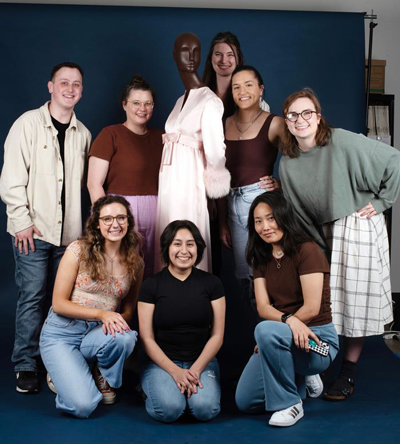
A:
(251, 137)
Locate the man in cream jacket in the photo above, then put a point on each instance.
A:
(44, 163)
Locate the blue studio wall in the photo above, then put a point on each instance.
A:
(324, 51)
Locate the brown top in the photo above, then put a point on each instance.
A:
(248, 160)
(134, 160)
(284, 287)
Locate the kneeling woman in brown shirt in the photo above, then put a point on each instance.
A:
(291, 282)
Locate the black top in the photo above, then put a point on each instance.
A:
(183, 313)
(61, 128)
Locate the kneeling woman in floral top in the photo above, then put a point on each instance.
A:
(85, 341)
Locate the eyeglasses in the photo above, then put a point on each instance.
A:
(109, 220)
(136, 104)
(306, 115)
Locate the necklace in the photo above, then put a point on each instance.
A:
(278, 255)
(278, 262)
(111, 259)
(251, 123)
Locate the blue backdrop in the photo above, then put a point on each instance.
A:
(324, 51)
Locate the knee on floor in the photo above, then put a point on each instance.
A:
(205, 411)
(82, 408)
(170, 411)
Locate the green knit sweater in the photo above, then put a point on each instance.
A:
(331, 182)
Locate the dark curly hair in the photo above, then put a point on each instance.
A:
(92, 242)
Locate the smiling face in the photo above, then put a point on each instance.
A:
(245, 90)
(266, 225)
(223, 59)
(182, 251)
(187, 52)
(304, 130)
(138, 117)
(116, 231)
(65, 89)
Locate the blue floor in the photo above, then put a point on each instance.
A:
(371, 415)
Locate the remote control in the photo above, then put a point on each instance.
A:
(322, 349)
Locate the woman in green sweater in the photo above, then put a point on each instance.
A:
(339, 184)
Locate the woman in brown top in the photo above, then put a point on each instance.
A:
(251, 135)
(125, 160)
(291, 283)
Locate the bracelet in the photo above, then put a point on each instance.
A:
(285, 317)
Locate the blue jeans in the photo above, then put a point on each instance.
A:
(69, 347)
(166, 403)
(239, 202)
(268, 380)
(34, 275)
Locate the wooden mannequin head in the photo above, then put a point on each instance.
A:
(187, 55)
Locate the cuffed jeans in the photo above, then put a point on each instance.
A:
(68, 347)
(166, 403)
(34, 275)
(268, 380)
(239, 202)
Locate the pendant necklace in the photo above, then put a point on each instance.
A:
(251, 123)
(111, 259)
(278, 259)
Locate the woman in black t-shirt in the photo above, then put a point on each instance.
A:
(291, 283)
(182, 319)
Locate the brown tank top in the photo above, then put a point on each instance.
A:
(248, 160)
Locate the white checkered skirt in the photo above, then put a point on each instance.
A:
(360, 275)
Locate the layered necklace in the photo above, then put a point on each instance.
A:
(251, 122)
(278, 259)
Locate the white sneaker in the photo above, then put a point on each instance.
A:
(287, 417)
(314, 386)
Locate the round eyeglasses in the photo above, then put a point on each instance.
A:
(136, 104)
(306, 115)
(109, 220)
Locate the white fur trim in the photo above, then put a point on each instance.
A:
(217, 182)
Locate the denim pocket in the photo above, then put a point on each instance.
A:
(250, 195)
(59, 321)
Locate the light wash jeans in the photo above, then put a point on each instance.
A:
(166, 403)
(239, 202)
(69, 347)
(268, 380)
(34, 275)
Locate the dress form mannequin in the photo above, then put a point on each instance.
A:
(193, 161)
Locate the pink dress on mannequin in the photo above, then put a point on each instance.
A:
(192, 166)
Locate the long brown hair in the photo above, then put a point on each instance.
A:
(209, 75)
(290, 146)
(92, 242)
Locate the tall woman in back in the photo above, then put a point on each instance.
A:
(339, 184)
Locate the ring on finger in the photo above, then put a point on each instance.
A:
(20, 241)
